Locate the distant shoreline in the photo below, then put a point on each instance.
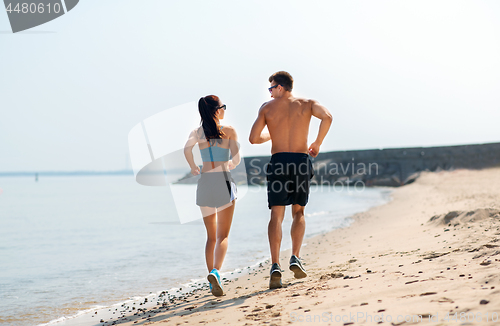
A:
(64, 173)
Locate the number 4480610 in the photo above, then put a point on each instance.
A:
(33, 8)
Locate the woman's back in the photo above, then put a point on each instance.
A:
(216, 151)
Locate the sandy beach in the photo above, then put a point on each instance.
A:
(430, 256)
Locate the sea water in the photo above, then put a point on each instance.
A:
(70, 244)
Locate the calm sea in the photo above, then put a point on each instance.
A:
(70, 244)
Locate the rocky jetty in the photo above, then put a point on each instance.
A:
(391, 167)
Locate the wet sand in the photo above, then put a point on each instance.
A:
(430, 256)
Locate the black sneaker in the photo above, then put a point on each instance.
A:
(297, 268)
(275, 279)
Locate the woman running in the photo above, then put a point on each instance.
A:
(216, 192)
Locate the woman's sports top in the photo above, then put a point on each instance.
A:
(214, 153)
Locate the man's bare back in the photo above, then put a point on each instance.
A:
(288, 121)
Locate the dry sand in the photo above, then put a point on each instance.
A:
(393, 263)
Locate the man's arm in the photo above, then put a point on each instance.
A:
(322, 113)
(256, 134)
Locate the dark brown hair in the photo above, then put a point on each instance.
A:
(207, 106)
(282, 78)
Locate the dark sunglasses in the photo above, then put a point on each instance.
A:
(271, 88)
(223, 106)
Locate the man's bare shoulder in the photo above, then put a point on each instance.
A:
(267, 105)
(303, 101)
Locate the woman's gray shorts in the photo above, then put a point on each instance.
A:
(215, 189)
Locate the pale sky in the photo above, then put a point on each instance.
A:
(393, 73)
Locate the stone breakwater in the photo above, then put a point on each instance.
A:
(392, 167)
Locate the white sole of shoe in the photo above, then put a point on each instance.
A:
(297, 271)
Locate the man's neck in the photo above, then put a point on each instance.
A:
(285, 96)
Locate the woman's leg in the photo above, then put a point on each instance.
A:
(224, 220)
(210, 221)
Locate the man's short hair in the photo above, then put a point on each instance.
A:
(282, 78)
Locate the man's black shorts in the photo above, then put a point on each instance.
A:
(288, 179)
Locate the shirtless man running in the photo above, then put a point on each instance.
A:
(290, 169)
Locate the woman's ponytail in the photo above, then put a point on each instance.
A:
(207, 106)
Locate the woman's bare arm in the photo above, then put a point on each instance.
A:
(234, 147)
(188, 152)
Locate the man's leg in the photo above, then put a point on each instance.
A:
(297, 232)
(298, 228)
(274, 232)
